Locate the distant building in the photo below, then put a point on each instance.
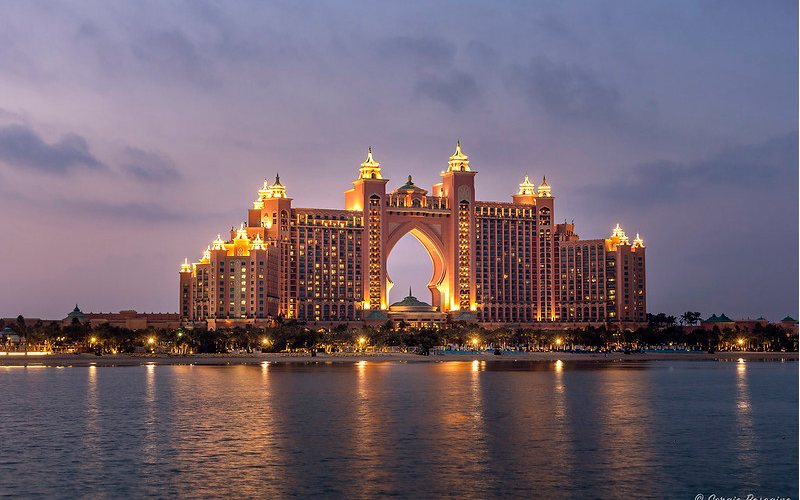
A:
(721, 322)
(789, 323)
(495, 263)
(129, 319)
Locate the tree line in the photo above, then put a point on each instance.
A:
(661, 330)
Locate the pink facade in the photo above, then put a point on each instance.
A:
(493, 262)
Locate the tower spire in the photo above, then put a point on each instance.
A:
(370, 169)
(459, 162)
(544, 188)
(527, 188)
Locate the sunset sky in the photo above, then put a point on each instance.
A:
(131, 133)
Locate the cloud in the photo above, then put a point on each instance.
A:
(135, 211)
(151, 167)
(454, 90)
(173, 54)
(424, 51)
(21, 147)
(567, 91)
(753, 167)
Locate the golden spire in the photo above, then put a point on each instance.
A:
(277, 190)
(218, 244)
(638, 242)
(544, 188)
(264, 192)
(620, 236)
(459, 162)
(527, 188)
(241, 233)
(206, 258)
(186, 267)
(258, 243)
(370, 169)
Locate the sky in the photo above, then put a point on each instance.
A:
(131, 133)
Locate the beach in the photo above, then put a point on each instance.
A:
(257, 358)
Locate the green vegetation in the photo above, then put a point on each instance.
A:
(662, 330)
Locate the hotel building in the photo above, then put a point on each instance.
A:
(494, 263)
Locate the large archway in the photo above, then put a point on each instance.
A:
(434, 247)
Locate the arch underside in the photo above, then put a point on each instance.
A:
(433, 245)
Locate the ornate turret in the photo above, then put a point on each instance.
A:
(527, 188)
(274, 190)
(258, 243)
(218, 244)
(241, 233)
(459, 162)
(206, 258)
(638, 242)
(618, 236)
(278, 189)
(186, 267)
(544, 189)
(370, 169)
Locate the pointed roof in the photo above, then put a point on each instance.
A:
(410, 186)
(218, 244)
(789, 319)
(527, 188)
(370, 161)
(241, 233)
(618, 235)
(544, 188)
(76, 313)
(258, 243)
(459, 162)
(370, 169)
(411, 301)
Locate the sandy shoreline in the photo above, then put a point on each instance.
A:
(256, 358)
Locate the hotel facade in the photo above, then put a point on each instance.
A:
(494, 263)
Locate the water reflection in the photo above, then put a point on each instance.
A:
(368, 477)
(745, 438)
(461, 429)
(92, 462)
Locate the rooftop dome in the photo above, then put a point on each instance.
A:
(411, 303)
(410, 186)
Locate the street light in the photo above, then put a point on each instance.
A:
(740, 342)
(93, 340)
(559, 342)
(475, 343)
(151, 340)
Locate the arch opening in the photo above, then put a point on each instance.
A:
(411, 270)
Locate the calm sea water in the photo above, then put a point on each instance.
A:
(463, 429)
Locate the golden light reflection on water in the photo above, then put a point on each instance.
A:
(625, 416)
(93, 433)
(460, 412)
(473, 429)
(365, 426)
(745, 439)
(150, 448)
